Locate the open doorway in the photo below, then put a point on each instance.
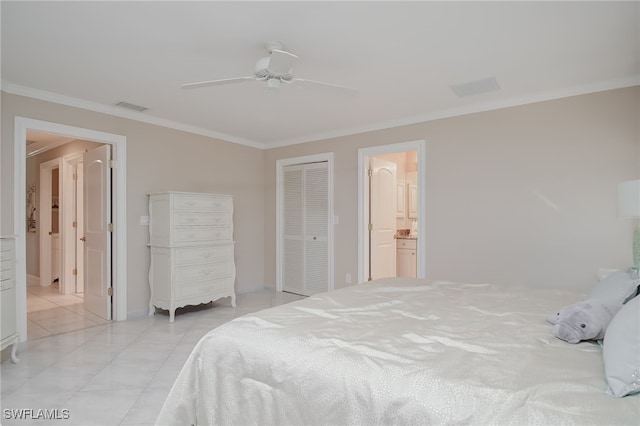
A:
(54, 246)
(391, 211)
(108, 166)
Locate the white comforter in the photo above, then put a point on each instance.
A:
(398, 351)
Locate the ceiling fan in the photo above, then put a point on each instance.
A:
(274, 69)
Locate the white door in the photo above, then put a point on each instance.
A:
(383, 218)
(97, 237)
(306, 229)
(79, 214)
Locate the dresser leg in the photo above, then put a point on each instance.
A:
(233, 300)
(172, 315)
(152, 309)
(14, 352)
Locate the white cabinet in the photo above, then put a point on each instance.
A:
(192, 250)
(406, 260)
(8, 296)
(412, 201)
(400, 201)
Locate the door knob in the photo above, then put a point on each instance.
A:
(83, 239)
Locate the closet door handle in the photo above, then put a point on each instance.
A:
(83, 239)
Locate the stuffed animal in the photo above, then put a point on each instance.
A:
(586, 320)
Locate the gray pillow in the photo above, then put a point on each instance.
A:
(618, 286)
(621, 351)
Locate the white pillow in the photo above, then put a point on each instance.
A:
(618, 286)
(621, 350)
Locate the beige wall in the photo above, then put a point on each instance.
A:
(33, 177)
(523, 195)
(158, 159)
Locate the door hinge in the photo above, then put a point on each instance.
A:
(110, 227)
(74, 224)
(110, 291)
(112, 164)
(371, 227)
(75, 272)
(370, 172)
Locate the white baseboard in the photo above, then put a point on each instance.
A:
(140, 313)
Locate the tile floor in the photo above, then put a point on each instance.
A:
(117, 373)
(49, 312)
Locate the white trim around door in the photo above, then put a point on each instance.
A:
(280, 164)
(363, 159)
(118, 143)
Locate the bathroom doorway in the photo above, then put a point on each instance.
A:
(391, 210)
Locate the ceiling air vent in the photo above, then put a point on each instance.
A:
(476, 87)
(132, 106)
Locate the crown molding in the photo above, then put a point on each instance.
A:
(465, 110)
(437, 115)
(44, 95)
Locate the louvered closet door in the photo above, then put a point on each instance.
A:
(306, 217)
(293, 242)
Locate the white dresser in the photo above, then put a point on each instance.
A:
(192, 250)
(8, 296)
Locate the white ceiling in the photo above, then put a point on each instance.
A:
(401, 56)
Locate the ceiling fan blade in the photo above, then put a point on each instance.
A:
(281, 62)
(301, 82)
(216, 82)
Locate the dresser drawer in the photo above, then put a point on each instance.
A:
(6, 264)
(200, 203)
(6, 249)
(406, 244)
(187, 235)
(8, 273)
(6, 284)
(200, 219)
(204, 288)
(203, 272)
(190, 256)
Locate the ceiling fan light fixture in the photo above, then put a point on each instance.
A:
(262, 67)
(273, 83)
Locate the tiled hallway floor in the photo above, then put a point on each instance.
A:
(49, 312)
(118, 373)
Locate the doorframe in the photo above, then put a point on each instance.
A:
(280, 165)
(44, 218)
(363, 156)
(119, 194)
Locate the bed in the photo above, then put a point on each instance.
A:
(398, 351)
